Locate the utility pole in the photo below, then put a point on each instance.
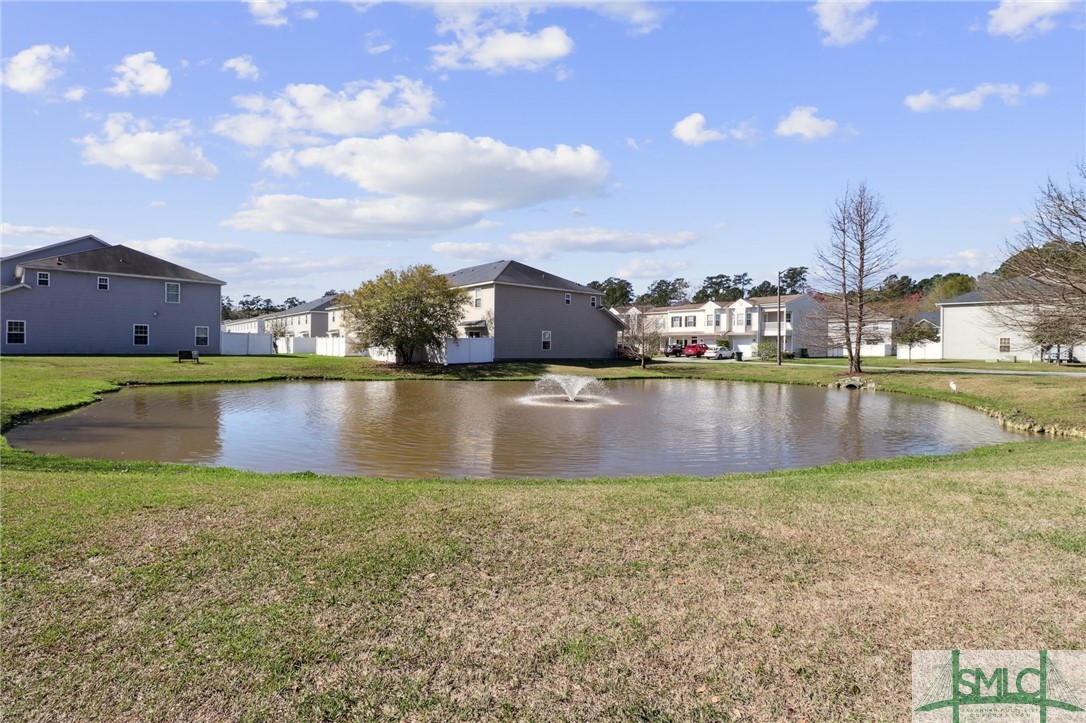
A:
(779, 319)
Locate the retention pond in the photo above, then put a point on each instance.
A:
(419, 429)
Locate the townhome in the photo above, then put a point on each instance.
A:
(85, 296)
(876, 337)
(802, 330)
(689, 323)
(533, 314)
(310, 319)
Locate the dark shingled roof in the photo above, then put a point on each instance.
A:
(120, 260)
(320, 304)
(931, 317)
(514, 272)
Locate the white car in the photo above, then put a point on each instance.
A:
(719, 352)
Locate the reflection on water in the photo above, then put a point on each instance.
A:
(413, 429)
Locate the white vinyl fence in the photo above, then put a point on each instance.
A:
(234, 344)
(457, 351)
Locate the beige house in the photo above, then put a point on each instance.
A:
(307, 320)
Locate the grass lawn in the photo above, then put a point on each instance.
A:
(147, 591)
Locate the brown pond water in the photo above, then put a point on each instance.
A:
(418, 429)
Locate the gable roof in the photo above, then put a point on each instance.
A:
(90, 238)
(320, 304)
(119, 260)
(766, 300)
(932, 317)
(515, 274)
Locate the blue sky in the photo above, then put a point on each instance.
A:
(290, 148)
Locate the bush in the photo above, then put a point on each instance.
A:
(766, 349)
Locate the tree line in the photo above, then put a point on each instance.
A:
(255, 305)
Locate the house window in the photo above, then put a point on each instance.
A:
(547, 339)
(569, 299)
(141, 334)
(201, 336)
(708, 320)
(16, 332)
(750, 317)
(103, 283)
(43, 278)
(592, 301)
(691, 321)
(478, 298)
(787, 317)
(173, 292)
(1004, 344)
(676, 321)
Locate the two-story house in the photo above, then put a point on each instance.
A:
(755, 319)
(532, 314)
(85, 296)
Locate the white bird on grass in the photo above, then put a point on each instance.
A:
(953, 386)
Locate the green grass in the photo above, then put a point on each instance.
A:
(135, 590)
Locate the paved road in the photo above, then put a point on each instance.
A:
(956, 370)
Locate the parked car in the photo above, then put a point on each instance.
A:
(674, 350)
(695, 349)
(719, 352)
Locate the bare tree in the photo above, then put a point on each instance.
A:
(1042, 288)
(642, 337)
(278, 330)
(859, 254)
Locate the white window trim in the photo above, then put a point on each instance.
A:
(592, 301)
(545, 342)
(43, 275)
(167, 292)
(100, 280)
(196, 336)
(478, 298)
(7, 331)
(148, 335)
(569, 299)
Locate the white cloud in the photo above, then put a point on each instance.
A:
(632, 143)
(187, 252)
(1022, 19)
(974, 99)
(243, 66)
(691, 131)
(972, 261)
(501, 50)
(133, 144)
(844, 22)
(156, 204)
(268, 12)
(307, 14)
(652, 269)
(375, 43)
(640, 17)
(425, 184)
(472, 251)
(59, 233)
(453, 166)
(352, 218)
(31, 70)
(593, 239)
(75, 94)
(139, 73)
(803, 122)
(301, 112)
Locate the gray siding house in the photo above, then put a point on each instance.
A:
(85, 296)
(532, 314)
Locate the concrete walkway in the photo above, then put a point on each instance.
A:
(844, 367)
